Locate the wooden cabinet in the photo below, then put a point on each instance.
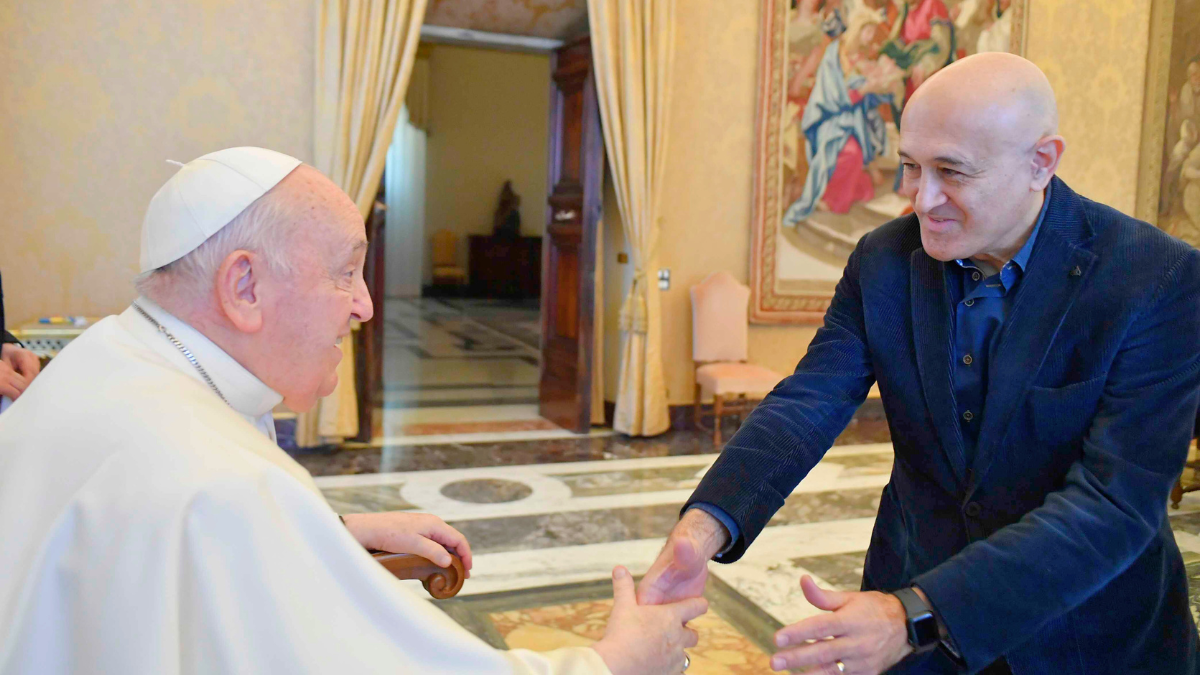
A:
(504, 267)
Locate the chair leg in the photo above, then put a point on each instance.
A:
(718, 411)
(696, 410)
(1177, 493)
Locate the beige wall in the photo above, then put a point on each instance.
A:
(96, 94)
(1097, 68)
(488, 117)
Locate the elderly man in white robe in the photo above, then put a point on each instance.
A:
(152, 525)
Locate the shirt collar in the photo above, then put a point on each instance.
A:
(246, 393)
(1021, 259)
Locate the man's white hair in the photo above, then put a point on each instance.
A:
(262, 228)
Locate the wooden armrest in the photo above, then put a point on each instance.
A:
(441, 582)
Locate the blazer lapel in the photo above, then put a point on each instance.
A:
(932, 331)
(1057, 272)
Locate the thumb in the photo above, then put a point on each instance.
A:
(821, 598)
(623, 592)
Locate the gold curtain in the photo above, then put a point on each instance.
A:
(632, 48)
(365, 54)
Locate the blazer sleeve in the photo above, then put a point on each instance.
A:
(996, 593)
(793, 427)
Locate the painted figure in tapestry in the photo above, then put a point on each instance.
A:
(852, 65)
(1179, 191)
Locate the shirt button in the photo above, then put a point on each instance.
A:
(969, 302)
(968, 416)
(973, 509)
(976, 276)
(968, 360)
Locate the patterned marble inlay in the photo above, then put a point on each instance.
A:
(634, 480)
(722, 649)
(842, 571)
(486, 491)
(368, 499)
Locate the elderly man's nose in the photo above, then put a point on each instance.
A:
(364, 309)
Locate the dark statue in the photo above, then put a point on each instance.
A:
(507, 221)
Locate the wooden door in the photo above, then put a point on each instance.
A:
(569, 247)
(368, 340)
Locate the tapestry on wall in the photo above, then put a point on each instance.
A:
(1179, 189)
(833, 78)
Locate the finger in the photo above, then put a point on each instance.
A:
(822, 653)
(690, 638)
(8, 390)
(16, 382)
(452, 539)
(623, 591)
(821, 598)
(30, 365)
(689, 609)
(428, 548)
(813, 628)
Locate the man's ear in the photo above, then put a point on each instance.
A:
(1046, 155)
(239, 290)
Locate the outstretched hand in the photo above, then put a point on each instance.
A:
(682, 567)
(646, 640)
(866, 632)
(418, 533)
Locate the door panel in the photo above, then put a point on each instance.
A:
(569, 247)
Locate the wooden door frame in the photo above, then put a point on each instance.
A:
(563, 197)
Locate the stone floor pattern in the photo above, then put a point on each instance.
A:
(547, 521)
(549, 514)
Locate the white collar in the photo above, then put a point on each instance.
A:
(246, 393)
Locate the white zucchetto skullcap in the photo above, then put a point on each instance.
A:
(203, 196)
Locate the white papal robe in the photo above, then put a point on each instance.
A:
(149, 527)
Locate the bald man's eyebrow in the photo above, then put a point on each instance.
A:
(949, 160)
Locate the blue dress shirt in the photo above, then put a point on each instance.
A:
(980, 305)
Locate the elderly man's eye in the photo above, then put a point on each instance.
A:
(951, 173)
(909, 167)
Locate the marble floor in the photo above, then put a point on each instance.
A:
(548, 520)
(462, 370)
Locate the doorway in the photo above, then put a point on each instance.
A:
(470, 234)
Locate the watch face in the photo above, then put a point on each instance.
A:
(923, 630)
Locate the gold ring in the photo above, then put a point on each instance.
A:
(841, 666)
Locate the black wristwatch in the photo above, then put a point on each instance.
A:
(923, 634)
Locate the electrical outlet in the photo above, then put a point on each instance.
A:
(664, 280)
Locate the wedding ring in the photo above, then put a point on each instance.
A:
(841, 666)
(686, 662)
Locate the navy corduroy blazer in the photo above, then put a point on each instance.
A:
(1051, 547)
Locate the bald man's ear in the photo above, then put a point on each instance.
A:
(1046, 156)
(238, 290)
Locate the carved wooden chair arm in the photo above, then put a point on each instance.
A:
(441, 582)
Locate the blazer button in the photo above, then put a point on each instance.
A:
(973, 510)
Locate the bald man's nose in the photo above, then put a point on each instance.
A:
(928, 194)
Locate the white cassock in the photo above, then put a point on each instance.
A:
(151, 528)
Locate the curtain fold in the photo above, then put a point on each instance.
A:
(632, 49)
(365, 55)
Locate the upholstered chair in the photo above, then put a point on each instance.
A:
(720, 334)
(445, 260)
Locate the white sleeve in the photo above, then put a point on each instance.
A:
(271, 582)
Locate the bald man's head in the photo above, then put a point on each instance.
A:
(979, 144)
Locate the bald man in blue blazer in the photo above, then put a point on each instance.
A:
(1038, 359)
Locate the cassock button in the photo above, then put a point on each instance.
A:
(968, 360)
(973, 510)
(970, 302)
(968, 416)
(976, 276)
